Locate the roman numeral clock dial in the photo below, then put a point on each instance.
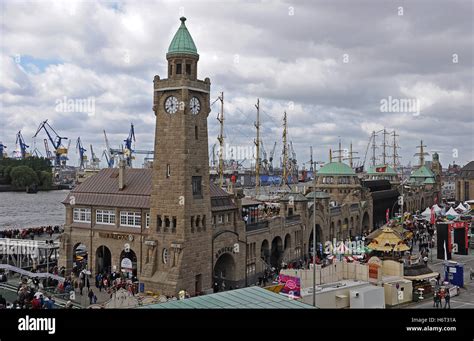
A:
(171, 105)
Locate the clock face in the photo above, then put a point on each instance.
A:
(171, 105)
(194, 105)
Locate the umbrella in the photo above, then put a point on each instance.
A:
(452, 213)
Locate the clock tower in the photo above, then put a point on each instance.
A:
(178, 252)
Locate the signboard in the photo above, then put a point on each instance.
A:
(126, 265)
(292, 285)
(374, 271)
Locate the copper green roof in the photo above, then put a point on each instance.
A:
(246, 298)
(336, 168)
(388, 170)
(422, 172)
(182, 42)
(429, 181)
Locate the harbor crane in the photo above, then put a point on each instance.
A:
(95, 161)
(82, 154)
(110, 153)
(20, 141)
(60, 151)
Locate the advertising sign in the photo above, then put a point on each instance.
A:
(292, 285)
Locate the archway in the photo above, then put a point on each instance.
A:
(287, 241)
(422, 204)
(319, 240)
(128, 263)
(80, 258)
(103, 260)
(366, 222)
(276, 252)
(345, 227)
(224, 273)
(265, 251)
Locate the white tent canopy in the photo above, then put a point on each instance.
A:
(426, 213)
(461, 207)
(436, 208)
(452, 212)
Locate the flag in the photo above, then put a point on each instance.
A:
(433, 216)
(387, 214)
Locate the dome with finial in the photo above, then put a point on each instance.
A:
(182, 42)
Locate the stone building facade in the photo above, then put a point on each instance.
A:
(173, 229)
(465, 183)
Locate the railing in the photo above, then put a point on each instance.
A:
(293, 218)
(259, 225)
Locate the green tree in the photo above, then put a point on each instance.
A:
(45, 179)
(23, 176)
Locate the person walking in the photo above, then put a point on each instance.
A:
(435, 299)
(91, 296)
(447, 299)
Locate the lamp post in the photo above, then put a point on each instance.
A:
(314, 241)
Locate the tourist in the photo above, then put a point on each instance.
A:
(91, 296)
(447, 299)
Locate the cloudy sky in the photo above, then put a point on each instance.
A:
(330, 64)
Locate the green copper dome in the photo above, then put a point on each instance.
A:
(182, 42)
(422, 172)
(336, 168)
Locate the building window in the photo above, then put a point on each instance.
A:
(221, 218)
(168, 171)
(188, 69)
(178, 69)
(167, 222)
(197, 188)
(132, 219)
(227, 218)
(171, 70)
(159, 222)
(173, 226)
(147, 220)
(106, 217)
(82, 215)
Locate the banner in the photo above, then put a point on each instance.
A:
(292, 285)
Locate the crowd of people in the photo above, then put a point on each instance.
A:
(30, 232)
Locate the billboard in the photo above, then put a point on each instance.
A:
(292, 285)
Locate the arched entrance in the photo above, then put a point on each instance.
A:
(224, 273)
(128, 263)
(265, 251)
(103, 260)
(366, 223)
(276, 253)
(80, 257)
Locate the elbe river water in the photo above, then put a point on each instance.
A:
(20, 209)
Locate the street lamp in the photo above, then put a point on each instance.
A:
(314, 241)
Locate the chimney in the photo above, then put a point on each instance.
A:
(121, 177)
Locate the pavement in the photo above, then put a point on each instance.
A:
(465, 300)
